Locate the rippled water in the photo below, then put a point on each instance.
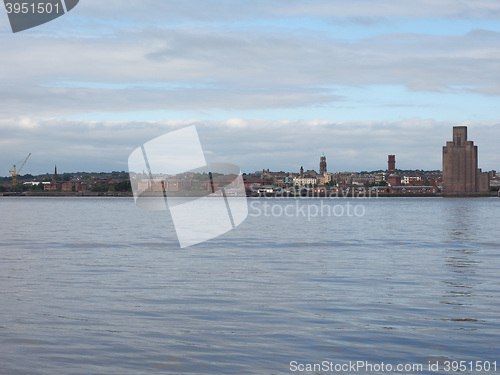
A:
(98, 286)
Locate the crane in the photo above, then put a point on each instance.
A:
(15, 172)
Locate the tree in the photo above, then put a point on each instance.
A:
(99, 189)
(36, 187)
(20, 187)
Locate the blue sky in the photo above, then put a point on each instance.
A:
(84, 90)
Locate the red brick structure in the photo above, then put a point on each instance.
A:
(460, 172)
(391, 164)
(394, 180)
(72, 186)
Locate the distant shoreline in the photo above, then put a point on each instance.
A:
(130, 195)
(67, 194)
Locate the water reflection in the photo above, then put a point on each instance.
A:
(462, 218)
(461, 262)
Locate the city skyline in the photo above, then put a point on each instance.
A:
(368, 151)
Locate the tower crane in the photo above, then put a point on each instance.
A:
(15, 172)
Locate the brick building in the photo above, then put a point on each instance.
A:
(460, 172)
(391, 164)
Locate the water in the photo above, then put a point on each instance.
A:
(98, 286)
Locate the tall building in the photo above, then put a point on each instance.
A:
(322, 164)
(391, 164)
(460, 171)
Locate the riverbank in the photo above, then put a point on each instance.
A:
(263, 195)
(368, 194)
(67, 194)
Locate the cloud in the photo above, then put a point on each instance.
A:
(251, 144)
(220, 10)
(62, 101)
(167, 69)
(388, 8)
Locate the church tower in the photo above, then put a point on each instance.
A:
(322, 164)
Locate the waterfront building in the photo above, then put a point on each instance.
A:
(53, 186)
(250, 180)
(305, 181)
(409, 190)
(394, 180)
(460, 172)
(324, 178)
(149, 185)
(72, 186)
(411, 180)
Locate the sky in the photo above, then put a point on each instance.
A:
(269, 83)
